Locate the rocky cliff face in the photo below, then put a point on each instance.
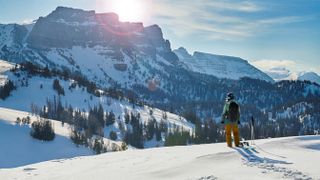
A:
(87, 28)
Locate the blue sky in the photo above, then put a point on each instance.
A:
(267, 33)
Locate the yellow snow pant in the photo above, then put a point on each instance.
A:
(234, 129)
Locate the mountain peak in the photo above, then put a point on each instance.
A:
(309, 76)
(182, 53)
(70, 14)
(64, 8)
(183, 50)
(154, 30)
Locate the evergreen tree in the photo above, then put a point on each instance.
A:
(150, 129)
(42, 130)
(111, 118)
(58, 87)
(127, 118)
(158, 132)
(6, 89)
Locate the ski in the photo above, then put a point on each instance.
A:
(246, 145)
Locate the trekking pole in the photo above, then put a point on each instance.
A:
(252, 130)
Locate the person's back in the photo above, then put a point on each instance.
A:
(231, 119)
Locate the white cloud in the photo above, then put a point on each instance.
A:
(26, 21)
(243, 6)
(212, 20)
(291, 65)
(269, 64)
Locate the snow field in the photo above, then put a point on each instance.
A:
(280, 158)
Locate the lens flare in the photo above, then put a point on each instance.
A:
(129, 10)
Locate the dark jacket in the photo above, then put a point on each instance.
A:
(224, 118)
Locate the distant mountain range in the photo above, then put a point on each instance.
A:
(281, 73)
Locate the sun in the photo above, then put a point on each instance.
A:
(129, 10)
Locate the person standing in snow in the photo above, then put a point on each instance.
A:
(231, 119)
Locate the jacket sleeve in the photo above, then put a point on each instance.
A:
(223, 115)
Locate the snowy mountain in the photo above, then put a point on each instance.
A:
(32, 93)
(281, 73)
(108, 51)
(99, 46)
(309, 76)
(282, 158)
(220, 66)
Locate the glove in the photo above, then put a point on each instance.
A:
(239, 122)
(222, 122)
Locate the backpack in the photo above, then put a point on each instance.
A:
(233, 112)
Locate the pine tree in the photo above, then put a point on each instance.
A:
(58, 87)
(127, 118)
(6, 89)
(111, 118)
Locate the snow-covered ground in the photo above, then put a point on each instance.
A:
(18, 148)
(280, 158)
(39, 90)
(4, 66)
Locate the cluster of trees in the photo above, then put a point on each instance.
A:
(97, 144)
(135, 133)
(82, 81)
(93, 122)
(43, 130)
(23, 121)
(178, 138)
(6, 89)
(139, 133)
(207, 93)
(208, 131)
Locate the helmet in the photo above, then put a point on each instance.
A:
(230, 96)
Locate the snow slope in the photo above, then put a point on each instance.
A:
(281, 158)
(18, 148)
(25, 95)
(6, 32)
(220, 66)
(4, 66)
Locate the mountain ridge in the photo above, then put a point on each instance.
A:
(90, 29)
(282, 73)
(221, 66)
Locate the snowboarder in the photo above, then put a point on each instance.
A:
(231, 119)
